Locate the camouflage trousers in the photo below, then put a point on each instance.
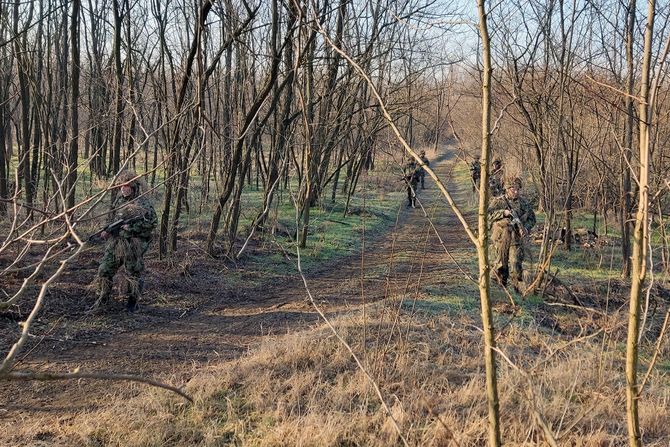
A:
(508, 254)
(411, 194)
(128, 253)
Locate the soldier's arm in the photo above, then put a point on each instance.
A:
(497, 210)
(144, 225)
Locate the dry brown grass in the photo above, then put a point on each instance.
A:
(303, 389)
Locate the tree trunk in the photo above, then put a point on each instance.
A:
(483, 239)
(74, 107)
(248, 120)
(626, 207)
(118, 101)
(640, 243)
(24, 92)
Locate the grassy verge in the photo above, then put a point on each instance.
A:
(305, 390)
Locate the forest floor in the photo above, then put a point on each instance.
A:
(193, 318)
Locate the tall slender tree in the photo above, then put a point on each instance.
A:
(483, 236)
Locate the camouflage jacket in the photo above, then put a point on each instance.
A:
(412, 173)
(426, 162)
(139, 212)
(475, 169)
(496, 184)
(522, 207)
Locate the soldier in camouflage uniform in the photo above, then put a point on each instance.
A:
(508, 234)
(127, 248)
(496, 179)
(422, 171)
(475, 173)
(412, 173)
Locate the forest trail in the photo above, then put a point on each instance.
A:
(220, 324)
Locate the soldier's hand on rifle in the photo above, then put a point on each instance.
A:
(104, 235)
(125, 227)
(507, 213)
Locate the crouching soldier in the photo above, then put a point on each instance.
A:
(511, 218)
(135, 219)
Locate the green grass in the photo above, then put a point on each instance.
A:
(457, 298)
(664, 365)
(461, 173)
(331, 234)
(582, 264)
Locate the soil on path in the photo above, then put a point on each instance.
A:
(192, 318)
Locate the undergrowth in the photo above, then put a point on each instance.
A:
(304, 389)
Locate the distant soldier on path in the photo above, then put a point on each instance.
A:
(422, 171)
(511, 218)
(496, 179)
(412, 174)
(475, 173)
(126, 247)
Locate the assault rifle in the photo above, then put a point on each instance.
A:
(113, 228)
(516, 222)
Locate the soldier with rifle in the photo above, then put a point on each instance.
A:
(411, 176)
(128, 235)
(422, 172)
(475, 173)
(496, 183)
(511, 217)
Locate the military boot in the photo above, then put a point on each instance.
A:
(131, 305)
(502, 275)
(104, 292)
(518, 284)
(135, 287)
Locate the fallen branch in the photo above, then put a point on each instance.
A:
(76, 374)
(574, 297)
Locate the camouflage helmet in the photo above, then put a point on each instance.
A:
(128, 177)
(513, 181)
(423, 152)
(497, 163)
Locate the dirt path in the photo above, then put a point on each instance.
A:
(207, 322)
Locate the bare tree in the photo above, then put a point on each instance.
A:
(483, 237)
(73, 155)
(639, 259)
